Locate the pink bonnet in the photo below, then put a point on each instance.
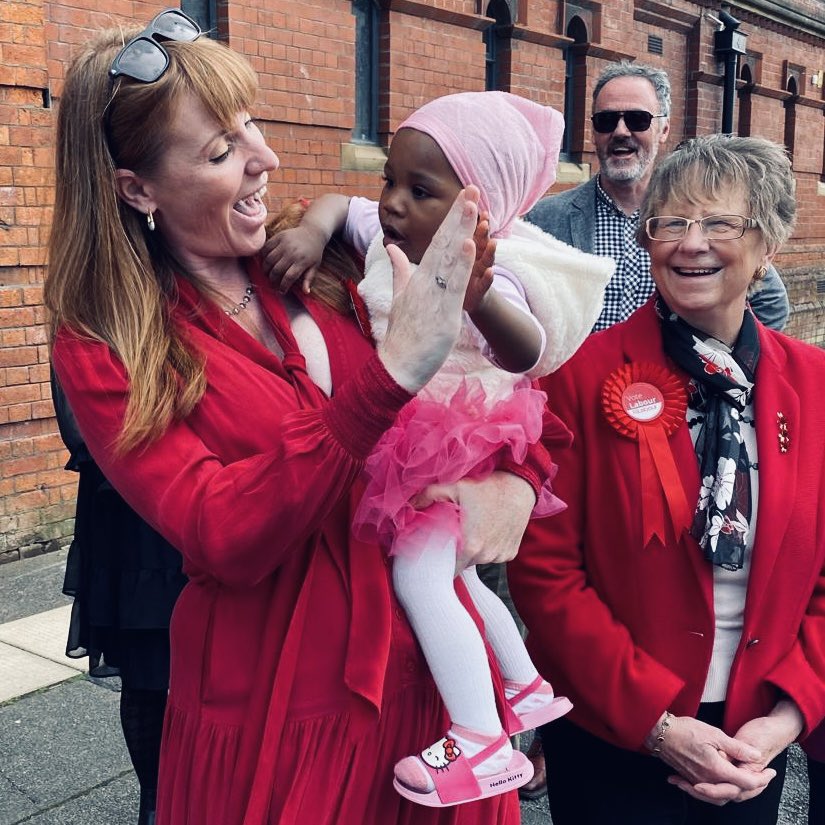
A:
(505, 145)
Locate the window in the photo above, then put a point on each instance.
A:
(366, 71)
(790, 115)
(204, 13)
(575, 80)
(793, 80)
(497, 46)
(745, 101)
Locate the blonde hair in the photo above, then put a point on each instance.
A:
(711, 166)
(109, 278)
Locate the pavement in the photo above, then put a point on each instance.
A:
(62, 756)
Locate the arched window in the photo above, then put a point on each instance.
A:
(743, 128)
(575, 90)
(497, 46)
(366, 71)
(793, 81)
(790, 115)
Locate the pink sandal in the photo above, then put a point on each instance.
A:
(453, 777)
(518, 723)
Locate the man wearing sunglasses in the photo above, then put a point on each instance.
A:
(631, 108)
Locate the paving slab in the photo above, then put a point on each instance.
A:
(43, 634)
(535, 812)
(22, 672)
(113, 803)
(793, 809)
(15, 805)
(32, 585)
(62, 747)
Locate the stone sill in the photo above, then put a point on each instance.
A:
(362, 157)
(574, 173)
(367, 157)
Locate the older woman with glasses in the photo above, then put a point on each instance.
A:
(236, 421)
(680, 600)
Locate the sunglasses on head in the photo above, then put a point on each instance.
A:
(636, 120)
(143, 58)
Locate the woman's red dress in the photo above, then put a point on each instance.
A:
(296, 682)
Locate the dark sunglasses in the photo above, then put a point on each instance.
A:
(637, 120)
(143, 58)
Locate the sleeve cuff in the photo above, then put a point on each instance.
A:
(536, 468)
(365, 407)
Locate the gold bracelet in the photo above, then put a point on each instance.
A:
(663, 729)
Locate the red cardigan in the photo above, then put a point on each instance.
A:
(626, 630)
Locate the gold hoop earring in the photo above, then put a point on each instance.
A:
(150, 220)
(761, 273)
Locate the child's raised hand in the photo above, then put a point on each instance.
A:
(481, 278)
(292, 255)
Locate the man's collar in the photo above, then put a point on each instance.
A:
(601, 194)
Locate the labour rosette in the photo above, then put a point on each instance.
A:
(647, 403)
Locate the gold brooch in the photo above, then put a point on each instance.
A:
(784, 438)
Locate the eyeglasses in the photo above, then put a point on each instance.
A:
(714, 227)
(637, 120)
(143, 58)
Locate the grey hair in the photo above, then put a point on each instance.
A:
(624, 68)
(708, 167)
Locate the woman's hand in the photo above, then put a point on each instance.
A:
(771, 734)
(426, 312)
(490, 532)
(710, 765)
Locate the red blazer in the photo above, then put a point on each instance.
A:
(626, 630)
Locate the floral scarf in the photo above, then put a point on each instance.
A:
(721, 387)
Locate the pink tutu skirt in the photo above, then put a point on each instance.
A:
(433, 442)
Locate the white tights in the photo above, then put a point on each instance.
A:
(452, 645)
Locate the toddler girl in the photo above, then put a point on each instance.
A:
(478, 410)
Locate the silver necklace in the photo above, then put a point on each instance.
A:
(247, 297)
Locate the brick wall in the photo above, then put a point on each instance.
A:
(303, 52)
(36, 496)
(806, 290)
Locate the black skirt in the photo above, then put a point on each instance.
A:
(125, 579)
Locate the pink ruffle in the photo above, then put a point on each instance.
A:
(436, 442)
